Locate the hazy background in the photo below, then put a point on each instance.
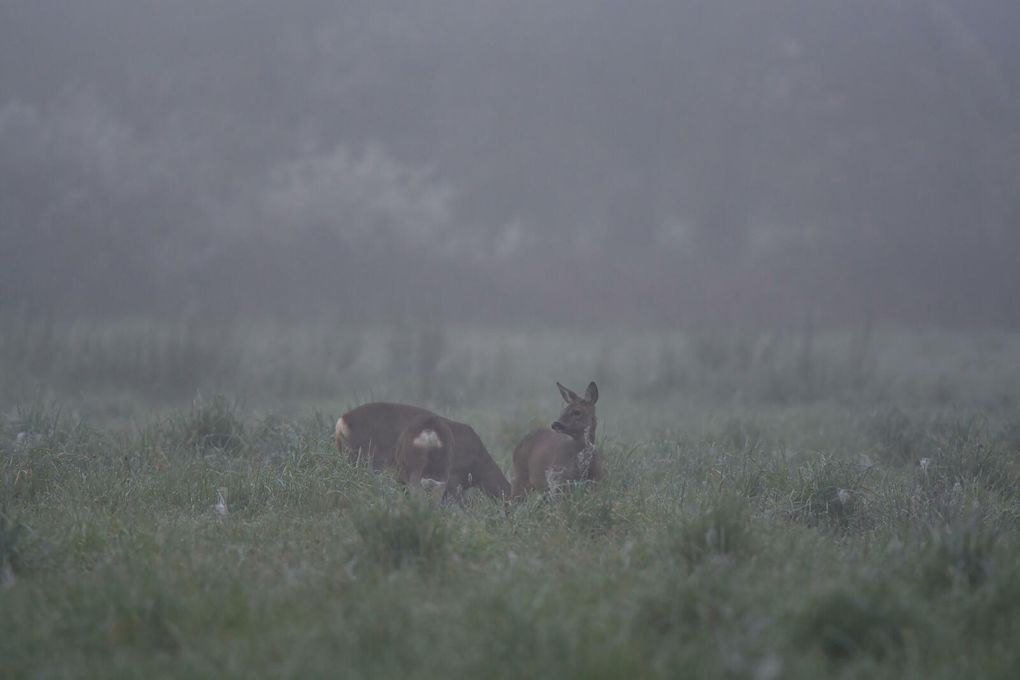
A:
(669, 164)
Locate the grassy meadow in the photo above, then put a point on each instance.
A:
(775, 505)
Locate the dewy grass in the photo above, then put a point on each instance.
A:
(402, 532)
(722, 530)
(856, 619)
(764, 514)
(211, 424)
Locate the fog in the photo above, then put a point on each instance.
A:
(654, 164)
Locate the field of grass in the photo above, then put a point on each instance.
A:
(774, 506)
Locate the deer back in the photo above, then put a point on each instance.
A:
(370, 432)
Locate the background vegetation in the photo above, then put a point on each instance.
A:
(484, 161)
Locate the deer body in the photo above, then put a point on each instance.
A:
(546, 459)
(371, 432)
(565, 452)
(423, 454)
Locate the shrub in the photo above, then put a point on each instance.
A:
(958, 556)
(274, 436)
(586, 511)
(210, 424)
(40, 429)
(852, 620)
(963, 452)
(831, 492)
(896, 437)
(720, 530)
(399, 532)
(678, 605)
(992, 609)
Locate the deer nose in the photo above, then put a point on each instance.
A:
(557, 426)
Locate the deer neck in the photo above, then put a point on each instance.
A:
(586, 438)
(586, 450)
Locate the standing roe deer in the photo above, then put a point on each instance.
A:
(565, 452)
(423, 455)
(371, 431)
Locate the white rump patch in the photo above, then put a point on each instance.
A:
(427, 439)
(221, 501)
(342, 431)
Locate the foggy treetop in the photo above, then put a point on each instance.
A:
(665, 163)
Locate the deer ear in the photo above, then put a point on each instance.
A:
(591, 395)
(568, 394)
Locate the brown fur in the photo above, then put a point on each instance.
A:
(552, 455)
(372, 434)
(415, 461)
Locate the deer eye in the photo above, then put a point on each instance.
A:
(575, 412)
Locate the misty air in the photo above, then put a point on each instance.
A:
(510, 339)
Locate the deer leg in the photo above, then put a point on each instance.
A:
(414, 481)
(457, 483)
(518, 486)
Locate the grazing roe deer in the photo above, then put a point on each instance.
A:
(370, 432)
(565, 452)
(423, 455)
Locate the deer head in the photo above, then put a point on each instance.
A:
(578, 417)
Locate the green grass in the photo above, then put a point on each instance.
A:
(784, 528)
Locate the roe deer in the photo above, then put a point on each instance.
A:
(423, 455)
(370, 432)
(565, 452)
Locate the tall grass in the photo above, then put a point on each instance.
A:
(120, 369)
(117, 561)
(845, 523)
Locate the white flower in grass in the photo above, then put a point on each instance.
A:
(221, 501)
(349, 567)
